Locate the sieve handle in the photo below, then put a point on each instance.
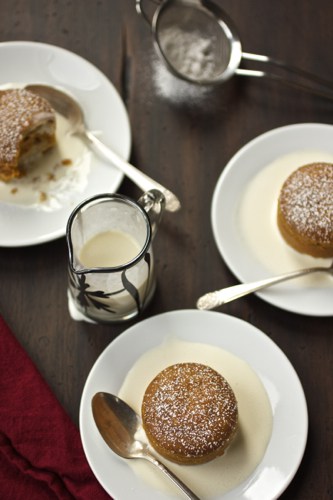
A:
(324, 87)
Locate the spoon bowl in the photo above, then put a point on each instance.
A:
(121, 428)
(68, 107)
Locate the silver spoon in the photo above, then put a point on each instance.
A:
(64, 104)
(218, 298)
(120, 428)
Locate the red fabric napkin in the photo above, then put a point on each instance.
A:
(41, 455)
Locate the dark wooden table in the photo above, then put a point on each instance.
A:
(185, 144)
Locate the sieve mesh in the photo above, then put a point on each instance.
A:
(192, 42)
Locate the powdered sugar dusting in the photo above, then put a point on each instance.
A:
(190, 53)
(190, 410)
(306, 202)
(18, 109)
(176, 90)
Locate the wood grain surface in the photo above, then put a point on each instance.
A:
(183, 138)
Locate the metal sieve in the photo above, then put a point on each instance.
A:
(199, 43)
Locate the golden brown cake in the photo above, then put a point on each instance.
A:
(305, 210)
(189, 413)
(27, 129)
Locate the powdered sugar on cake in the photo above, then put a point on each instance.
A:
(190, 409)
(306, 201)
(21, 113)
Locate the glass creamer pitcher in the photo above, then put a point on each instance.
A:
(111, 265)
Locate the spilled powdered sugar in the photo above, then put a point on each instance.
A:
(176, 90)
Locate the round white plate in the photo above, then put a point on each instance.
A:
(286, 447)
(30, 62)
(241, 169)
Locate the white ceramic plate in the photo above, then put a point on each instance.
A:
(290, 421)
(241, 169)
(30, 62)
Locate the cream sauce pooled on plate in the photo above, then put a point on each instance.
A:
(255, 417)
(257, 219)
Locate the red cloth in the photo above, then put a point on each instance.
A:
(41, 456)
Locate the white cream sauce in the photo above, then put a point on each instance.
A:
(257, 219)
(109, 249)
(255, 417)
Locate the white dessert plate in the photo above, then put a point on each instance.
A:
(238, 173)
(31, 62)
(286, 446)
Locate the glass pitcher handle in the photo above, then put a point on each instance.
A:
(153, 202)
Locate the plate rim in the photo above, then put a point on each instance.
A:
(183, 315)
(267, 295)
(118, 176)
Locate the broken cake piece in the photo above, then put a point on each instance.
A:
(27, 129)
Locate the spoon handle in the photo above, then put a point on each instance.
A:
(143, 181)
(220, 297)
(189, 494)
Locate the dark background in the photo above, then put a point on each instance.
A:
(184, 143)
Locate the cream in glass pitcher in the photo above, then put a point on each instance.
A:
(111, 265)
